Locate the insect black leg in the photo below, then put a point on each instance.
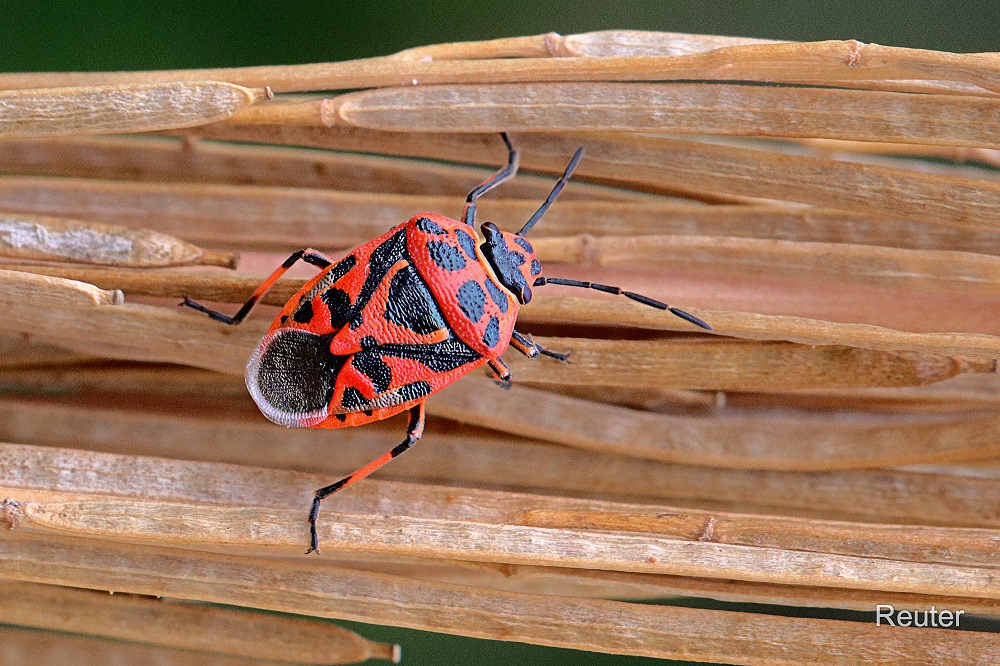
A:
(413, 433)
(469, 212)
(499, 372)
(532, 349)
(639, 298)
(309, 256)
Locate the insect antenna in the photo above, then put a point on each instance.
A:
(560, 184)
(639, 298)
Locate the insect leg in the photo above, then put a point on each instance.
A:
(499, 372)
(413, 433)
(469, 212)
(309, 256)
(532, 349)
(639, 298)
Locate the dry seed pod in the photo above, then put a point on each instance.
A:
(141, 107)
(59, 239)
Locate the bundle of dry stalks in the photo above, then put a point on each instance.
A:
(833, 443)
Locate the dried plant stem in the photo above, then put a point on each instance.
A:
(604, 43)
(509, 528)
(825, 62)
(30, 647)
(608, 43)
(286, 218)
(184, 626)
(171, 160)
(534, 46)
(58, 239)
(892, 267)
(876, 495)
(671, 165)
(596, 625)
(617, 585)
(948, 201)
(734, 365)
(139, 107)
(77, 376)
(616, 43)
(752, 326)
(564, 310)
(754, 439)
(136, 332)
(338, 218)
(750, 440)
(800, 552)
(44, 290)
(837, 148)
(18, 352)
(220, 287)
(682, 108)
(280, 531)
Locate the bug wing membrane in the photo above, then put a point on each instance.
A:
(291, 376)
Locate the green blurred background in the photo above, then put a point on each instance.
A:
(124, 35)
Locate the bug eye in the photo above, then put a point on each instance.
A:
(490, 230)
(525, 295)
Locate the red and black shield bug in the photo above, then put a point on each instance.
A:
(398, 319)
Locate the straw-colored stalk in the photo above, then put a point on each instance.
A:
(185, 626)
(54, 239)
(140, 107)
(604, 626)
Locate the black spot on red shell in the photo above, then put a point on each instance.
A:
(414, 391)
(468, 244)
(523, 242)
(497, 295)
(536, 267)
(352, 399)
(342, 268)
(446, 256)
(430, 226)
(368, 342)
(441, 356)
(304, 313)
(284, 319)
(380, 261)
(341, 417)
(472, 300)
(371, 365)
(492, 334)
(297, 372)
(411, 303)
(368, 412)
(339, 303)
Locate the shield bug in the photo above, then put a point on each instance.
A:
(398, 319)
